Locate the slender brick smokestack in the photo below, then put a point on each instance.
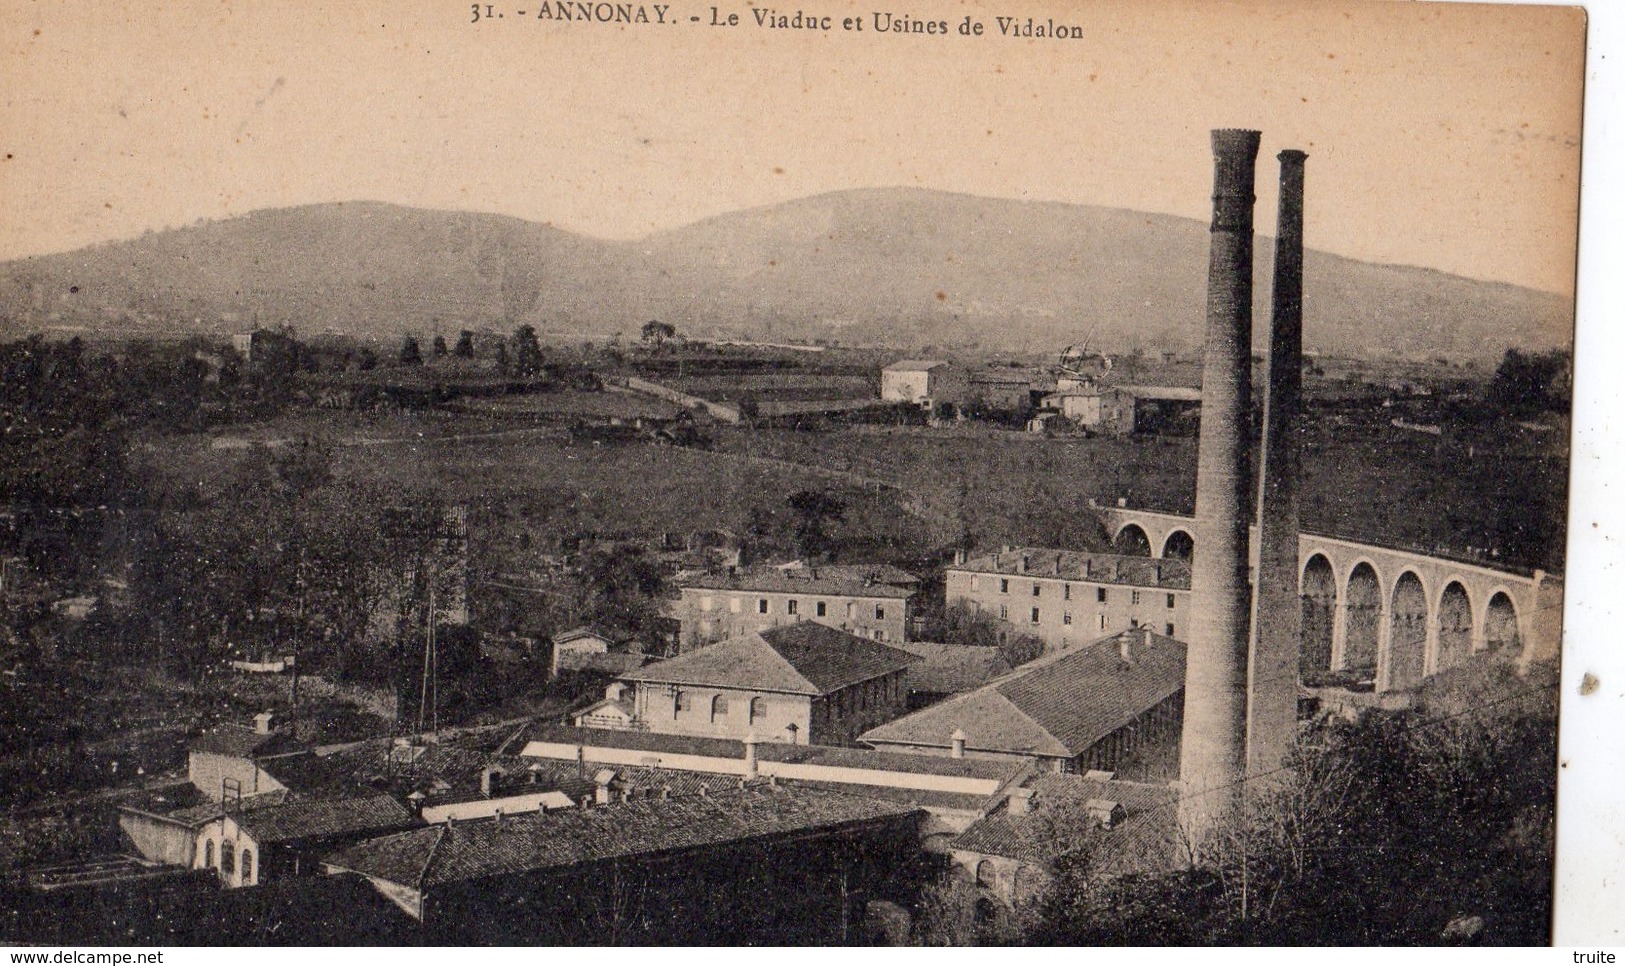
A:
(1272, 665)
(1213, 746)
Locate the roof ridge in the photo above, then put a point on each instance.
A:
(428, 862)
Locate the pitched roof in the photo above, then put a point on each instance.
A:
(842, 580)
(1147, 839)
(641, 828)
(299, 820)
(866, 758)
(951, 668)
(1167, 573)
(802, 658)
(241, 741)
(914, 365)
(1056, 706)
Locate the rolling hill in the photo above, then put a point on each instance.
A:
(905, 267)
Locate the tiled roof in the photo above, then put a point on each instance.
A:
(1147, 839)
(207, 811)
(641, 828)
(588, 630)
(810, 581)
(802, 658)
(951, 668)
(241, 741)
(1170, 393)
(1056, 706)
(1002, 377)
(298, 820)
(1165, 573)
(914, 365)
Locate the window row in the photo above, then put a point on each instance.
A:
(1102, 596)
(229, 859)
(792, 607)
(755, 709)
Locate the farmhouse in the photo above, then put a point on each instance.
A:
(1006, 389)
(926, 382)
(802, 683)
(1066, 597)
(1088, 708)
(868, 600)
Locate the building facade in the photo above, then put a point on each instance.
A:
(799, 684)
(869, 601)
(926, 382)
(1068, 597)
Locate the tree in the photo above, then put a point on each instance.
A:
(465, 345)
(813, 511)
(527, 351)
(411, 355)
(502, 356)
(1529, 382)
(658, 332)
(439, 345)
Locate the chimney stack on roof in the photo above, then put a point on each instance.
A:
(262, 723)
(1020, 801)
(750, 755)
(958, 743)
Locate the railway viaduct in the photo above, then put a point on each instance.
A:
(1407, 615)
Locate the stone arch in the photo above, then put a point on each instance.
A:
(1362, 616)
(1131, 540)
(1407, 631)
(1318, 589)
(1454, 622)
(986, 876)
(1179, 545)
(1502, 636)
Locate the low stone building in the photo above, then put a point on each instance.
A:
(1088, 708)
(802, 683)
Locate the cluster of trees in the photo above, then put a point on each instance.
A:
(1528, 383)
(524, 358)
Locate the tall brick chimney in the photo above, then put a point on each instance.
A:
(1272, 665)
(1213, 744)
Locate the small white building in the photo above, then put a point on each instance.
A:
(925, 382)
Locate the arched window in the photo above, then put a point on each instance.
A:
(228, 859)
(758, 709)
(680, 703)
(208, 854)
(248, 865)
(984, 874)
(719, 707)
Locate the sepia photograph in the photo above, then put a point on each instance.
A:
(598, 473)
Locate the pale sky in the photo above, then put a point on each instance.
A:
(1443, 135)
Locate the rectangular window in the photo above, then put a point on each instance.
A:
(1035, 615)
(1066, 618)
(1133, 622)
(733, 605)
(761, 605)
(880, 612)
(1104, 623)
(1004, 585)
(821, 608)
(1134, 597)
(1004, 612)
(1037, 590)
(975, 584)
(1100, 595)
(1168, 630)
(1066, 591)
(1170, 601)
(851, 610)
(705, 603)
(790, 606)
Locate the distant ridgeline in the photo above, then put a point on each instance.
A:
(1012, 283)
